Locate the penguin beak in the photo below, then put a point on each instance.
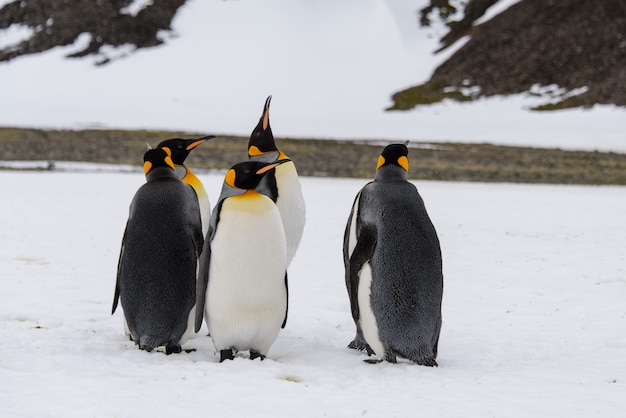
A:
(148, 147)
(194, 143)
(267, 168)
(266, 112)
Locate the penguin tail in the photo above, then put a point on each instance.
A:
(422, 357)
(148, 343)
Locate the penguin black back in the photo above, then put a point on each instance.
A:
(393, 266)
(157, 266)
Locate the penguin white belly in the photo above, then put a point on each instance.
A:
(246, 295)
(291, 205)
(367, 318)
(191, 319)
(205, 209)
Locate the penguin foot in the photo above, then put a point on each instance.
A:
(173, 348)
(190, 350)
(255, 354)
(359, 345)
(226, 355)
(373, 360)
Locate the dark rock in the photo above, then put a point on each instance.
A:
(570, 43)
(60, 22)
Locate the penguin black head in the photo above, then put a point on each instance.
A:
(261, 146)
(182, 147)
(394, 155)
(155, 158)
(248, 175)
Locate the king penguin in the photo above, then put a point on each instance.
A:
(180, 150)
(242, 280)
(156, 274)
(283, 186)
(393, 266)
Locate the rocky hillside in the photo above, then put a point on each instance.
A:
(108, 23)
(577, 45)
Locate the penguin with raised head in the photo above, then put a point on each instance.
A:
(156, 274)
(283, 186)
(242, 280)
(180, 149)
(393, 266)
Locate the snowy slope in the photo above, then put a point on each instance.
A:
(534, 311)
(331, 66)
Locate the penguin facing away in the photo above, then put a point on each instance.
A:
(283, 185)
(156, 274)
(393, 266)
(242, 280)
(180, 149)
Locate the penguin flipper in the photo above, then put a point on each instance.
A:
(346, 253)
(202, 281)
(366, 242)
(195, 223)
(116, 295)
(287, 305)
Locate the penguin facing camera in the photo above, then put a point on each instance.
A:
(156, 274)
(242, 280)
(393, 266)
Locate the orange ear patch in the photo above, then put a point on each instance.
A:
(230, 178)
(147, 166)
(404, 163)
(168, 161)
(381, 162)
(254, 151)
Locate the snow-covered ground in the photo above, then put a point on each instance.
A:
(331, 66)
(534, 310)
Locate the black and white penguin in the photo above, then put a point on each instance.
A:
(283, 186)
(180, 150)
(156, 274)
(242, 280)
(393, 266)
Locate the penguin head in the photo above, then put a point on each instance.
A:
(157, 158)
(261, 146)
(394, 158)
(247, 175)
(181, 148)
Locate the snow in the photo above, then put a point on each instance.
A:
(331, 67)
(534, 313)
